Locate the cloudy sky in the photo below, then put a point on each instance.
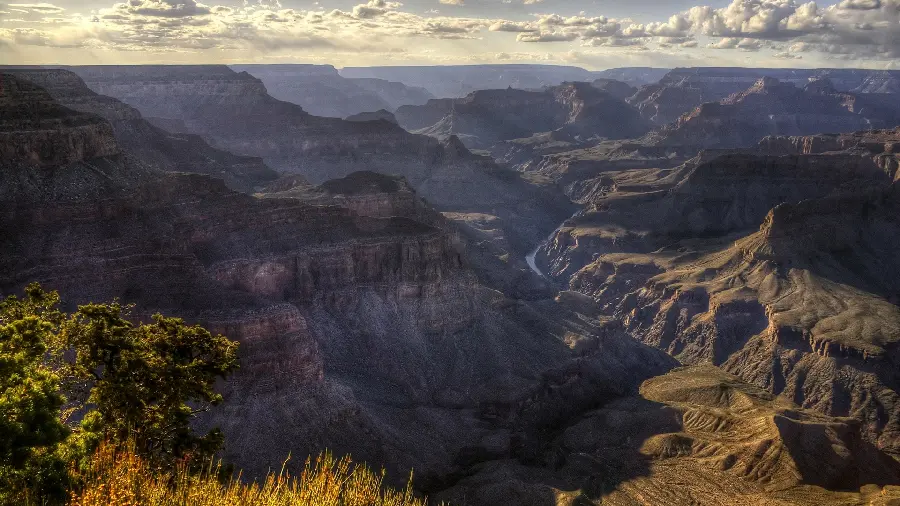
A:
(595, 34)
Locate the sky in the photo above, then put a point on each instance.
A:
(594, 34)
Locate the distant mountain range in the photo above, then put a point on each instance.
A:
(322, 91)
(455, 81)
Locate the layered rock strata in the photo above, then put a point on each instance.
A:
(803, 305)
(167, 151)
(683, 89)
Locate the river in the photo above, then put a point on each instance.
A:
(531, 258)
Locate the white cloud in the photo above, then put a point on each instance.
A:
(783, 28)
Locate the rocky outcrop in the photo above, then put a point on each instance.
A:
(580, 168)
(234, 112)
(36, 130)
(675, 95)
(804, 306)
(164, 150)
(881, 145)
(379, 115)
(484, 118)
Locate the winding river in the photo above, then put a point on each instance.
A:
(531, 258)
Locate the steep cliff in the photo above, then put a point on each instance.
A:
(805, 308)
(235, 112)
(803, 305)
(39, 131)
(713, 194)
(882, 145)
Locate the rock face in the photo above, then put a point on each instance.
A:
(39, 131)
(165, 150)
(235, 111)
(771, 107)
(322, 91)
(881, 145)
(684, 89)
(365, 193)
(486, 117)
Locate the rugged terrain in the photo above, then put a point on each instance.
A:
(167, 151)
(484, 118)
(775, 264)
(709, 328)
(234, 110)
(772, 107)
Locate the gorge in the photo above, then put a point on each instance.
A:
(559, 295)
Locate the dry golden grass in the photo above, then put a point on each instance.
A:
(118, 478)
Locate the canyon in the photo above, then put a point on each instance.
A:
(614, 291)
(484, 118)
